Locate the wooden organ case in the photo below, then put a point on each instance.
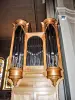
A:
(34, 68)
(14, 66)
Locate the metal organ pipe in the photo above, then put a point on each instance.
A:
(52, 52)
(17, 58)
(34, 51)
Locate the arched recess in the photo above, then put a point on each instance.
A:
(34, 51)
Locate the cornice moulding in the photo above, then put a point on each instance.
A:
(65, 10)
(70, 14)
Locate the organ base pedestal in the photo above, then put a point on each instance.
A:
(54, 74)
(15, 74)
(34, 87)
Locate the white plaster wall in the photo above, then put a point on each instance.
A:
(72, 30)
(61, 91)
(66, 3)
(68, 38)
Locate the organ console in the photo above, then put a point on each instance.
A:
(34, 65)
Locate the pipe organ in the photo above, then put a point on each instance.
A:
(34, 66)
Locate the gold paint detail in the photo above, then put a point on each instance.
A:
(15, 74)
(48, 21)
(58, 71)
(54, 74)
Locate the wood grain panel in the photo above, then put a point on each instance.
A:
(11, 10)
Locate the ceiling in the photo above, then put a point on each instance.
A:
(32, 11)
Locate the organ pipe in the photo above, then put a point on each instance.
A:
(51, 46)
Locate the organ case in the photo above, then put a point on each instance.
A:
(34, 62)
(54, 59)
(14, 66)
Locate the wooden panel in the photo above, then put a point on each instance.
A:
(46, 97)
(25, 96)
(5, 47)
(35, 87)
(34, 96)
(11, 10)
